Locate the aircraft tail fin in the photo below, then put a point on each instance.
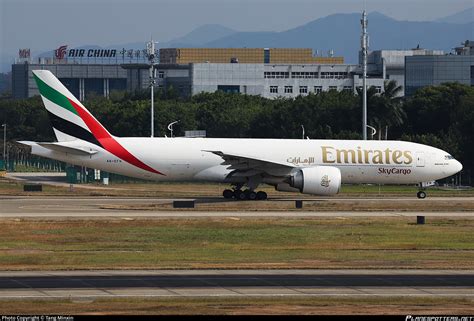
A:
(70, 119)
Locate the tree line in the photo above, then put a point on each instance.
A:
(440, 116)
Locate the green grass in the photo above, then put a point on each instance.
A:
(254, 305)
(11, 187)
(247, 243)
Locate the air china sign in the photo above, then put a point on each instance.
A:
(62, 52)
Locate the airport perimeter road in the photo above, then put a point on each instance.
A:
(96, 207)
(232, 283)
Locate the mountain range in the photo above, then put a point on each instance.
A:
(464, 16)
(338, 32)
(341, 33)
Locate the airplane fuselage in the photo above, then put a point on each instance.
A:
(189, 159)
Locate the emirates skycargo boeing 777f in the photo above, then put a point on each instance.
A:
(315, 167)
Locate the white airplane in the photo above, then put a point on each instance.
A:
(315, 167)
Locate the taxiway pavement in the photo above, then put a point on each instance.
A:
(236, 283)
(100, 207)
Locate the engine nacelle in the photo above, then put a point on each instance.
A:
(284, 187)
(319, 180)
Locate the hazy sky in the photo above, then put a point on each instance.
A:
(45, 24)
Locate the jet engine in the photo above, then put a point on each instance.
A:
(319, 180)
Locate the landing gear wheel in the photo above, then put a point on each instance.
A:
(252, 196)
(261, 196)
(421, 194)
(246, 195)
(228, 194)
(239, 195)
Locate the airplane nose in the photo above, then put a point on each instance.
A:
(456, 166)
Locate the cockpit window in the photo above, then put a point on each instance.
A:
(448, 157)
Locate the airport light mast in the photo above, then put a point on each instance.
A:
(150, 47)
(4, 145)
(170, 127)
(364, 43)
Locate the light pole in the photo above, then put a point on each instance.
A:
(170, 127)
(150, 47)
(4, 145)
(364, 43)
(152, 85)
(374, 131)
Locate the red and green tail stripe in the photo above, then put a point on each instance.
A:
(98, 134)
(54, 96)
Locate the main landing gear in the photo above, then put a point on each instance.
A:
(240, 195)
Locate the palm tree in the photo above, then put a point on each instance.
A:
(393, 108)
(386, 109)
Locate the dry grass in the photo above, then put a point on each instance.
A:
(227, 243)
(245, 306)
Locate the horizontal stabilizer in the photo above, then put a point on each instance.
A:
(63, 148)
(58, 147)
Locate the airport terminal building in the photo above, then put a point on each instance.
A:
(268, 72)
(187, 70)
(422, 71)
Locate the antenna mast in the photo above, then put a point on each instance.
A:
(150, 48)
(364, 43)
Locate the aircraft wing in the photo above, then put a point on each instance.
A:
(244, 165)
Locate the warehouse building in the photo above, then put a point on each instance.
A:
(422, 71)
(390, 64)
(276, 80)
(82, 80)
(268, 72)
(271, 73)
(266, 80)
(251, 71)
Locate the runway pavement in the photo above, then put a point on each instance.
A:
(236, 283)
(99, 207)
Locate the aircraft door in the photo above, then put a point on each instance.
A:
(420, 159)
(181, 170)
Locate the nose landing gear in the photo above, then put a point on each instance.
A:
(421, 194)
(423, 186)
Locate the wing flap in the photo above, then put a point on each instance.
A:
(232, 159)
(245, 165)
